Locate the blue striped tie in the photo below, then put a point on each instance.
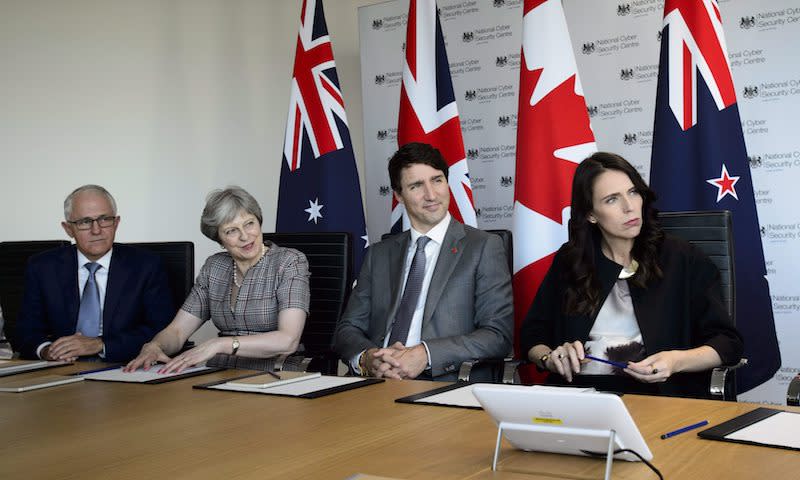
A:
(89, 313)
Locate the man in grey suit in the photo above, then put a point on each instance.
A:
(432, 297)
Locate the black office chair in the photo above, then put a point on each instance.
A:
(178, 260)
(330, 261)
(13, 259)
(712, 233)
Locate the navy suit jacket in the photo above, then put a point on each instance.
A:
(137, 304)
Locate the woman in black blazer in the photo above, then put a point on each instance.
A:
(645, 305)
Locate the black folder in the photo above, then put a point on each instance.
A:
(721, 431)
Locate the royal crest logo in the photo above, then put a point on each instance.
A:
(501, 61)
(382, 134)
(470, 95)
(403, 47)
(623, 9)
(478, 212)
(592, 110)
(506, 181)
(755, 160)
(472, 153)
(626, 74)
(467, 37)
(384, 190)
(499, 3)
(629, 138)
(750, 92)
(763, 231)
(659, 34)
(503, 120)
(746, 23)
(380, 79)
(588, 48)
(377, 24)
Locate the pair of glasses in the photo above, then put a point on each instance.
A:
(103, 221)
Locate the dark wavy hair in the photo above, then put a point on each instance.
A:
(583, 286)
(412, 153)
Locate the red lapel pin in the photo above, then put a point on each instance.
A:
(454, 250)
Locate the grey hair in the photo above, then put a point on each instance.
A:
(222, 206)
(88, 188)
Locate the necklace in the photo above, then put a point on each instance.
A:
(236, 280)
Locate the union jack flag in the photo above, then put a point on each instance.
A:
(700, 162)
(319, 187)
(428, 111)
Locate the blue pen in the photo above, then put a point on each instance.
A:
(86, 372)
(684, 429)
(609, 362)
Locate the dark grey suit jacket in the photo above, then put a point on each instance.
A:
(468, 312)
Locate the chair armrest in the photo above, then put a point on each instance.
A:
(293, 363)
(720, 387)
(793, 393)
(508, 364)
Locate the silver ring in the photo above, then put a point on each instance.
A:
(655, 370)
(560, 356)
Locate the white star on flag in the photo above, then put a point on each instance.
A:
(725, 183)
(314, 209)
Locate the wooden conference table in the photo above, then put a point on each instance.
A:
(171, 431)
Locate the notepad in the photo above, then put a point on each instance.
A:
(145, 376)
(26, 384)
(460, 395)
(767, 427)
(273, 379)
(11, 367)
(309, 387)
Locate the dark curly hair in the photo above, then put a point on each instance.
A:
(583, 290)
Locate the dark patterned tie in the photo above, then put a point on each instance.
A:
(402, 320)
(89, 312)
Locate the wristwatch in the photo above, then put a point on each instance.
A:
(235, 346)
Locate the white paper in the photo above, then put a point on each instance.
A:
(9, 366)
(459, 397)
(781, 429)
(138, 376)
(297, 388)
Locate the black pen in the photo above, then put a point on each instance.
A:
(274, 374)
(684, 429)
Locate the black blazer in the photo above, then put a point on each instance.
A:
(137, 304)
(682, 310)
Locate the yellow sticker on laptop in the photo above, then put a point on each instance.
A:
(548, 421)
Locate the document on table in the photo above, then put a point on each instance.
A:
(142, 376)
(460, 395)
(312, 387)
(10, 367)
(763, 426)
(18, 385)
(781, 429)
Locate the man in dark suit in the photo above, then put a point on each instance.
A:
(430, 298)
(95, 298)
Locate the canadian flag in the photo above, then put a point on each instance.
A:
(553, 136)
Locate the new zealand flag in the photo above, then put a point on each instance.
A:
(700, 163)
(319, 188)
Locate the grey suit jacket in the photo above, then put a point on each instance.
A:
(468, 312)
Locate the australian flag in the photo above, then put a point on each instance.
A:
(319, 188)
(700, 163)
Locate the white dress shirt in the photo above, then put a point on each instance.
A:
(101, 277)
